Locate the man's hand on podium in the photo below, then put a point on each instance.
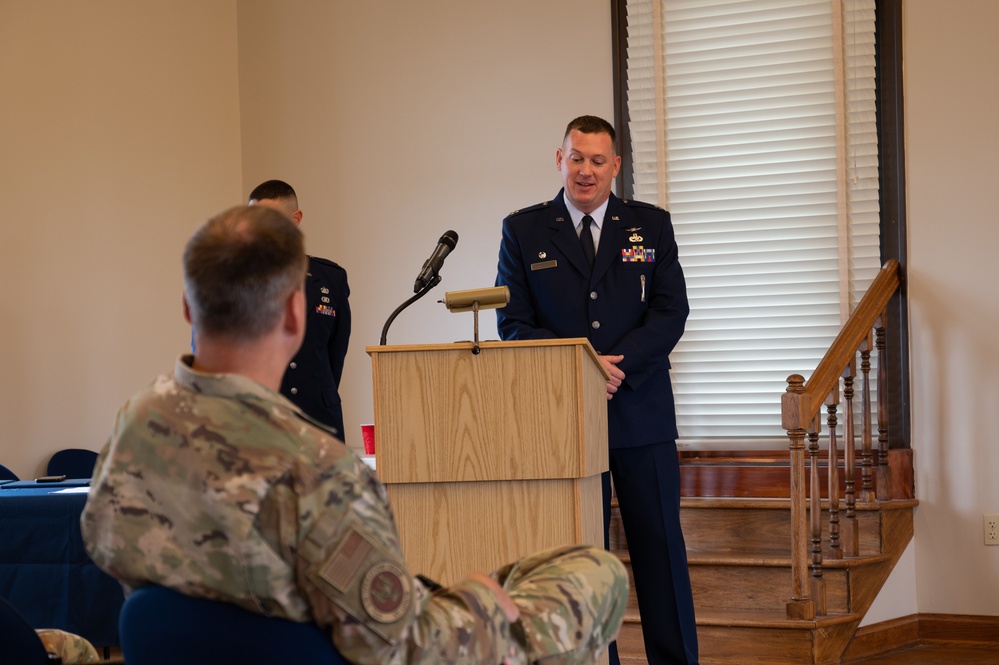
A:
(617, 376)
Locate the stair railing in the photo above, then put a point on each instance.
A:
(801, 407)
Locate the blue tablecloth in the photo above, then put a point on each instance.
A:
(44, 570)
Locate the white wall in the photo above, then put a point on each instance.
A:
(119, 133)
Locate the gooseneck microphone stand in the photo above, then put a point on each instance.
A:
(419, 294)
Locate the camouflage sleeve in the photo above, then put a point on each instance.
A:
(351, 568)
(68, 648)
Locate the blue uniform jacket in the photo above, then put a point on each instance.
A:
(633, 303)
(312, 379)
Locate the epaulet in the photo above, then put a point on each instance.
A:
(640, 204)
(536, 206)
(325, 262)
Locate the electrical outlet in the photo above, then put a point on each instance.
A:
(992, 529)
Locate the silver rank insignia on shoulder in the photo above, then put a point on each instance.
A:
(324, 290)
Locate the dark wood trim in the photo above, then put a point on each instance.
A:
(961, 629)
(619, 45)
(891, 141)
(765, 473)
(918, 629)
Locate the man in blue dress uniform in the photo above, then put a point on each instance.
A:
(312, 380)
(588, 264)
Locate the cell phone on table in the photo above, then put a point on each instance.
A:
(50, 479)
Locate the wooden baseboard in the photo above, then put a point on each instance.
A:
(916, 629)
(959, 629)
(883, 637)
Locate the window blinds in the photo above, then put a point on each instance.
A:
(753, 122)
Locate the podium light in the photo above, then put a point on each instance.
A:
(472, 300)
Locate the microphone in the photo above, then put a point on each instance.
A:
(433, 265)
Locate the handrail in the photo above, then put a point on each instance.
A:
(800, 407)
(844, 347)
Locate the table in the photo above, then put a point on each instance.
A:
(44, 570)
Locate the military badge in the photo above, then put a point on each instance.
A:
(325, 310)
(385, 592)
(324, 290)
(638, 254)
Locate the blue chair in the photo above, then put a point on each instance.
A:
(19, 643)
(72, 463)
(160, 626)
(7, 474)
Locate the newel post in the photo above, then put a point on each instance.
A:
(794, 418)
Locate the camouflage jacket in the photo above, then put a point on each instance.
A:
(218, 487)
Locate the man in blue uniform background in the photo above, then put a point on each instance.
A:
(588, 264)
(312, 380)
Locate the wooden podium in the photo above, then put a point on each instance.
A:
(489, 457)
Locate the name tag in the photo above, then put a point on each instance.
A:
(544, 265)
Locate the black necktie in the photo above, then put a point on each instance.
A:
(586, 240)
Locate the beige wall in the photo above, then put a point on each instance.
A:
(396, 121)
(119, 131)
(952, 168)
(952, 151)
(122, 128)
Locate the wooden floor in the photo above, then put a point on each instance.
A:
(920, 655)
(935, 655)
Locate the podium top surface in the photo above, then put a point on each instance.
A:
(495, 344)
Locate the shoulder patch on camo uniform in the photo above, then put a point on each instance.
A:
(342, 566)
(360, 574)
(385, 592)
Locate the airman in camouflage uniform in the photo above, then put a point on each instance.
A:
(214, 484)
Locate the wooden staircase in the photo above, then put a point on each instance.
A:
(739, 553)
(786, 559)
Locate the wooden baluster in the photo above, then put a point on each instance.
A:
(884, 472)
(801, 605)
(815, 514)
(851, 530)
(832, 403)
(867, 487)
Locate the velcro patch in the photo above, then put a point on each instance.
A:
(385, 592)
(342, 566)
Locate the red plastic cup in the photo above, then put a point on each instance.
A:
(368, 434)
